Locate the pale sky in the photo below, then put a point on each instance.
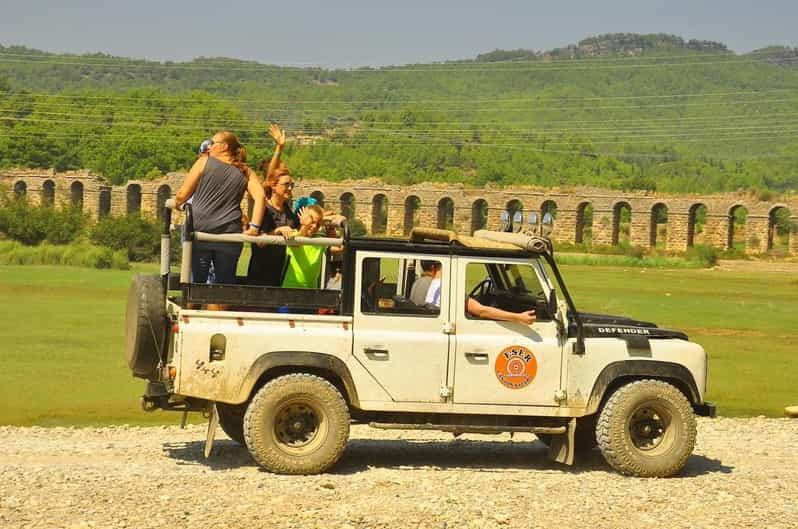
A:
(371, 32)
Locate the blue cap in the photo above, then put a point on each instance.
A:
(304, 202)
(205, 146)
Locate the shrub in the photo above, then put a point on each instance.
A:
(24, 223)
(15, 253)
(134, 234)
(635, 251)
(706, 255)
(32, 225)
(65, 225)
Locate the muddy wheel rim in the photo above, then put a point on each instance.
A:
(650, 428)
(299, 426)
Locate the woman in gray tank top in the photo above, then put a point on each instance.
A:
(218, 182)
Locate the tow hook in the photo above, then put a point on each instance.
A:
(149, 404)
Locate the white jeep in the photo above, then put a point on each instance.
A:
(285, 371)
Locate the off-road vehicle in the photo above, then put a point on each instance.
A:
(286, 371)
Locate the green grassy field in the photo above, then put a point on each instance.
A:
(63, 331)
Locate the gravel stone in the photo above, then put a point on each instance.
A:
(743, 473)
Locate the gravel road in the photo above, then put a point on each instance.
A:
(744, 473)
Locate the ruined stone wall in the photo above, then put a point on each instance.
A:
(676, 234)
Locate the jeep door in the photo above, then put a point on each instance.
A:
(501, 362)
(402, 345)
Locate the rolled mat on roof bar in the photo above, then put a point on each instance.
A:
(432, 234)
(531, 243)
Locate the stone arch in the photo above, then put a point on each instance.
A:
(412, 214)
(379, 214)
(696, 218)
(104, 206)
(738, 216)
(133, 196)
(548, 206)
(76, 194)
(319, 197)
(659, 225)
(163, 194)
(779, 228)
(445, 213)
(48, 193)
(347, 201)
(514, 205)
(479, 215)
(621, 222)
(20, 189)
(584, 223)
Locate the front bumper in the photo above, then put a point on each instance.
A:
(707, 409)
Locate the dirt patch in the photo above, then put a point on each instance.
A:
(742, 474)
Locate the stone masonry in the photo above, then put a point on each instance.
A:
(394, 210)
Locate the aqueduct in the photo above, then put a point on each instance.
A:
(584, 215)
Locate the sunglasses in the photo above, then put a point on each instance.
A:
(287, 185)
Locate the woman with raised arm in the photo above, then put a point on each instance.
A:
(217, 184)
(267, 262)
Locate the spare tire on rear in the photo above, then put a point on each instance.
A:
(146, 324)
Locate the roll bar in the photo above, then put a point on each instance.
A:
(189, 236)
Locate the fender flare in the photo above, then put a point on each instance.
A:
(615, 373)
(293, 361)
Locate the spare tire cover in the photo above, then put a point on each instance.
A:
(145, 323)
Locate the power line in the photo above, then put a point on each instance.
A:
(633, 135)
(234, 65)
(492, 101)
(324, 112)
(607, 124)
(439, 141)
(482, 68)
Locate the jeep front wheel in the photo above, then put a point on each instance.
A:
(647, 428)
(297, 424)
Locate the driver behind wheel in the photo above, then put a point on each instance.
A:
(475, 308)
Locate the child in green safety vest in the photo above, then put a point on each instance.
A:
(303, 263)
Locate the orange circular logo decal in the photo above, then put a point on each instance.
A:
(516, 367)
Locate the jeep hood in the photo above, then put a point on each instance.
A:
(607, 326)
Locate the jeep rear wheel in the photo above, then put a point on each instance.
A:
(231, 419)
(297, 424)
(647, 428)
(145, 322)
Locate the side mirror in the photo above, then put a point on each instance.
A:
(552, 303)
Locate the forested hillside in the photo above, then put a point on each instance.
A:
(622, 111)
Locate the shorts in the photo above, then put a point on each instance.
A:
(223, 255)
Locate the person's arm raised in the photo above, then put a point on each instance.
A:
(278, 135)
(255, 190)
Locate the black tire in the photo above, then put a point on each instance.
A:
(145, 325)
(647, 428)
(584, 436)
(297, 424)
(231, 420)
